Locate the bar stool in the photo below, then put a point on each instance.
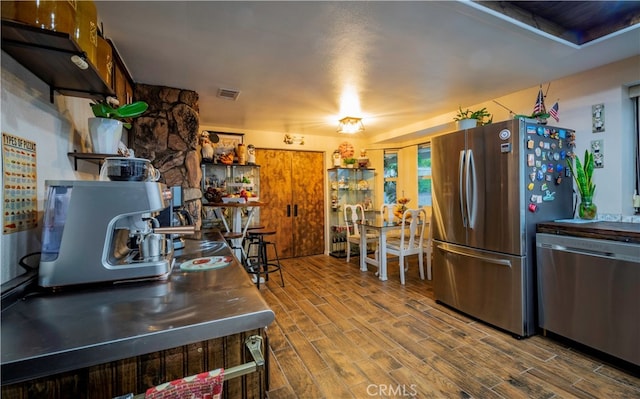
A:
(259, 264)
(247, 240)
(230, 237)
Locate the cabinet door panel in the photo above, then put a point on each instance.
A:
(308, 197)
(275, 190)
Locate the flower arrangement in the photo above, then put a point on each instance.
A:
(399, 209)
(109, 108)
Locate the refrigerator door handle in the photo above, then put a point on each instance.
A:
(461, 164)
(501, 262)
(472, 190)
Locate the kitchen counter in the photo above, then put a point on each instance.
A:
(48, 332)
(613, 231)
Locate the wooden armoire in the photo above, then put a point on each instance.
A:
(292, 185)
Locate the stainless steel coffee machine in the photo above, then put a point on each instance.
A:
(96, 231)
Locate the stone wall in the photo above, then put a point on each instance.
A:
(167, 135)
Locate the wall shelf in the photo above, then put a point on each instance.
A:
(47, 54)
(89, 157)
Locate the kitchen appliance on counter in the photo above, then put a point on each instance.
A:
(491, 185)
(176, 215)
(97, 231)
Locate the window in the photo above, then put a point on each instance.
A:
(424, 175)
(390, 176)
(634, 94)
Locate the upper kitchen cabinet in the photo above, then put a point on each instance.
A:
(122, 83)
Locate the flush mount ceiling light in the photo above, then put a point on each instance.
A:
(350, 125)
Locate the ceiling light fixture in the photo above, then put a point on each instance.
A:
(350, 125)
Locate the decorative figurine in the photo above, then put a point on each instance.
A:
(251, 154)
(207, 147)
(337, 159)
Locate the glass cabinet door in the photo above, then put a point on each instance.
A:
(348, 186)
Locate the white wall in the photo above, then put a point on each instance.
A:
(577, 93)
(54, 127)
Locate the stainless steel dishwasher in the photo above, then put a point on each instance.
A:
(589, 292)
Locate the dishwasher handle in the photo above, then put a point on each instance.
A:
(586, 251)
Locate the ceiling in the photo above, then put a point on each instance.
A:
(404, 62)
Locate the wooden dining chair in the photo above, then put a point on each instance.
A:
(352, 215)
(411, 240)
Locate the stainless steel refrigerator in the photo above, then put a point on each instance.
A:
(491, 185)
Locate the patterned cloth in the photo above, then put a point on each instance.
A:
(207, 385)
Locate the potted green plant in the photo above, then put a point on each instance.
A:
(106, 128)
(583, 175)
(350, 162)
(467, 119)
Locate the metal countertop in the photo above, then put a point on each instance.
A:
(49, 332)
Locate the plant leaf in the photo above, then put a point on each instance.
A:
(131, 110)
(101, 110)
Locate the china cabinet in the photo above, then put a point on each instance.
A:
(348, 186)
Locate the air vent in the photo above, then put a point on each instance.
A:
(228, 94)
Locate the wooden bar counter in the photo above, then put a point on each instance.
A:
(109, 340)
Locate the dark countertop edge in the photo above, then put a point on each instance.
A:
(27, 369)
(600, 230)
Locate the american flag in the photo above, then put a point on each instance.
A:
(554, 112)
(539, 107)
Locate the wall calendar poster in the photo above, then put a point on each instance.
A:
(20, 205)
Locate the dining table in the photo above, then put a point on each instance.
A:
(237, 225)
(381, 227)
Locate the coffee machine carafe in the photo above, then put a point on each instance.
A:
(97, 231)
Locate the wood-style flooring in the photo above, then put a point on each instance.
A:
(342, 333)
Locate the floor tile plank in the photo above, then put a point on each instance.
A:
(342, 333)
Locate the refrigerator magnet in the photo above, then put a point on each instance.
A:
(549, 196)
(531, 160)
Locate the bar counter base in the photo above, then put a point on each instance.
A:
(137, 374)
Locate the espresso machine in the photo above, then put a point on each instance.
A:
(98, 231)
(176, 215)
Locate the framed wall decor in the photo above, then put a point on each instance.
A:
(228, 142)
(597, 148)
(597, 118)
